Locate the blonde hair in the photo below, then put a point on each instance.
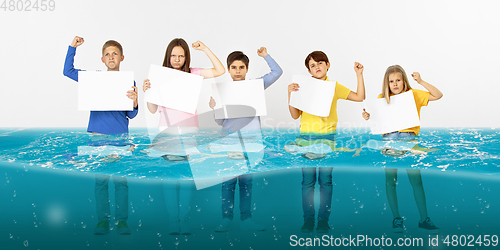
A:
(386, 91)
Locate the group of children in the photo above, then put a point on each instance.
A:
(313, 129)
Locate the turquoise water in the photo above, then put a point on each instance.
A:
(475, 150)
(47, 192)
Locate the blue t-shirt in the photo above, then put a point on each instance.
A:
(103, 122)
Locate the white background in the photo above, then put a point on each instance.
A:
(453, 44)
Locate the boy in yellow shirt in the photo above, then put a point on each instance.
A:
(321, 128)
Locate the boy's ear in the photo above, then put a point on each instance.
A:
(102, 59)
(123, 57)
(327, 66)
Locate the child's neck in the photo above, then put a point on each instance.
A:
(398, 93)
(322, 78)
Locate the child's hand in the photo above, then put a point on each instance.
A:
(416, 77)
(146, 85)
(132, 94)
(199, 45)
(211, 103)
(262, 52)
(293, 88)
(77, 41)
(358, 67)
(366, 115)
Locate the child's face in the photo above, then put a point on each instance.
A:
(396, 83)
(238, 70)
(178, 57)
(112, 57)
(318, 69)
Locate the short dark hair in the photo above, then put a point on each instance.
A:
(237, 56)
(183, 44)
(318, 56)
(112, 43)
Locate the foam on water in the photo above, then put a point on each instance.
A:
(474, 150)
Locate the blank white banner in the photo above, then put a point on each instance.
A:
(173, 88)
(314, 96)
(400, 114)
(239, 99)
(105, 90)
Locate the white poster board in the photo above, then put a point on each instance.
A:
(220, 166)
(105, 90)
(173, 89)
(400, 114)
(239, 99)
(314, 96)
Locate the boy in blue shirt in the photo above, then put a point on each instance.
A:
(107, 123)
(238, 67)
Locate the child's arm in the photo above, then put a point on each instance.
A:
(132, 94)
(365, 115)
(218, 68)
(151, 107)
(435, 94)
(294, 112)
(276, 70)
(69, 70)
(359, 95)
(212, 103)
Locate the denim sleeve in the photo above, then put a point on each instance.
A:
(275, 73)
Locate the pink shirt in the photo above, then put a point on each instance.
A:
(173, 117)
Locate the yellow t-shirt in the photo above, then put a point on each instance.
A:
(421, 99)
(315, 125)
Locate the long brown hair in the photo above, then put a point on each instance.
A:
(174, 43)
(386, 90)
